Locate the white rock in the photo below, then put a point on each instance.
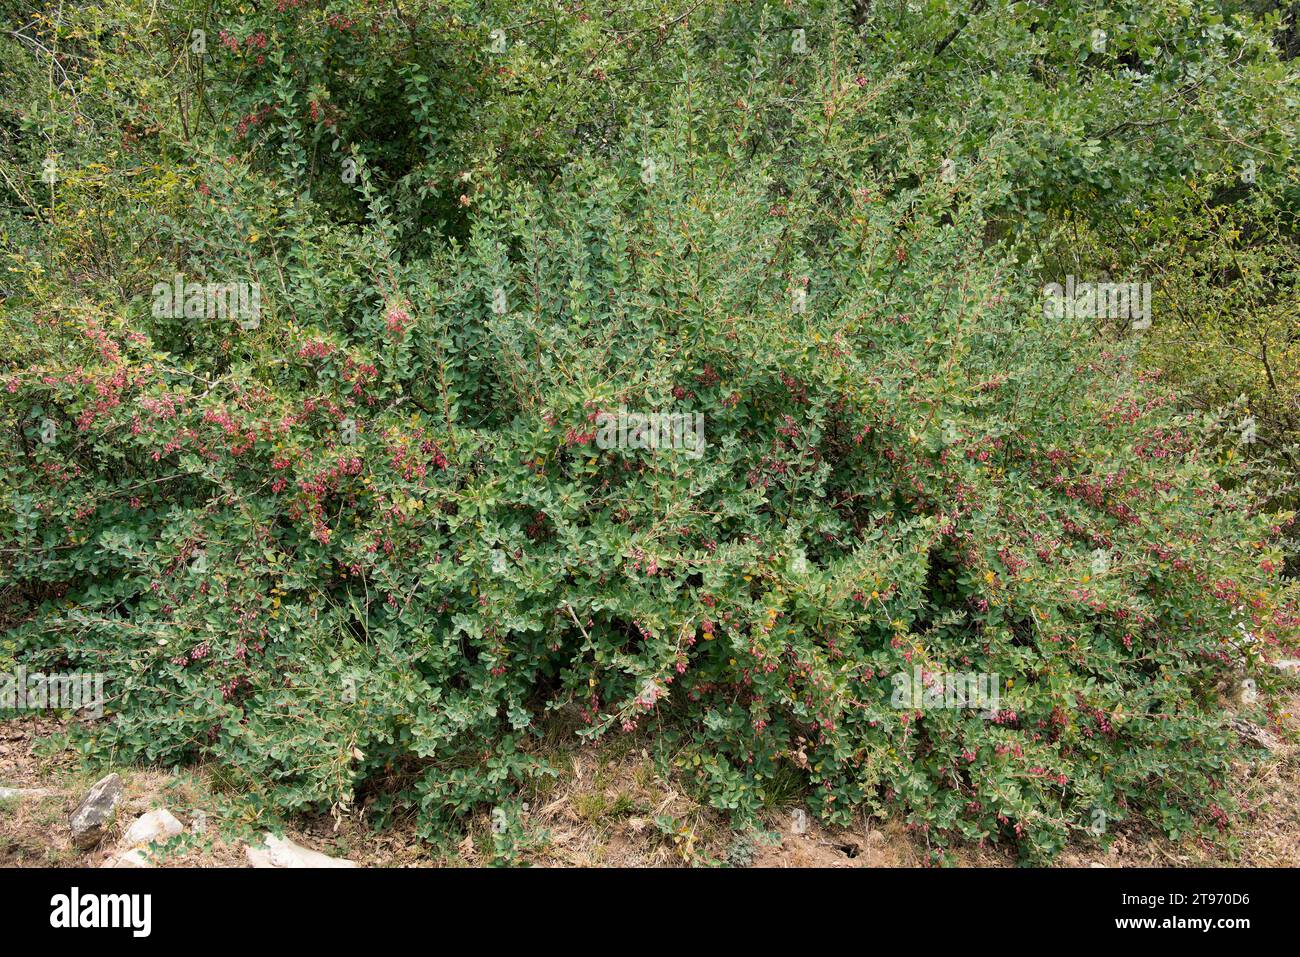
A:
(282, 852)
(157, 825)
(25, 793)
(135, 857)
(1287, 664)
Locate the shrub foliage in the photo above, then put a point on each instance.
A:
(372, 549)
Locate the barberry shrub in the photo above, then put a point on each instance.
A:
(372, 546)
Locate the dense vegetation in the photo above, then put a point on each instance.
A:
(367, 547)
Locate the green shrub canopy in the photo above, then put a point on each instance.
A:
(403, 394)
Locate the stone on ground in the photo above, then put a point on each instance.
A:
(23, 794)
(157, 825)
(135, 857)
(282, 852)
(96, 811)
